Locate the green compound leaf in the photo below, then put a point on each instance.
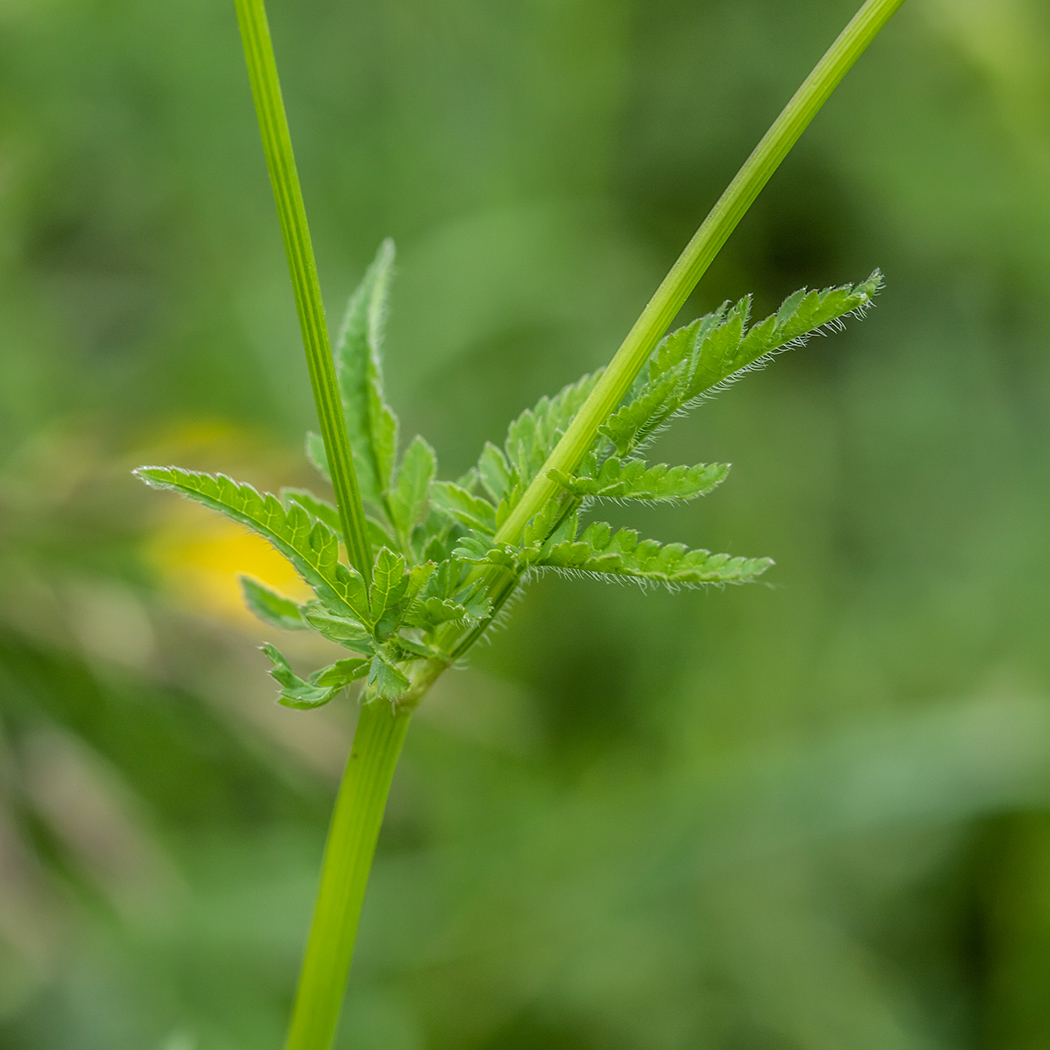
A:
(272, 608)
(319, 508)
(533, 435)
(550, 519)
(408, 497)
(346, 631)
(452, 581)
(477, 603)
(327, 512)
(634, 479)
(323, 685)
(371, 424)
(466, 508)
(495, 472)
(378, 536)
(718, 348)
(384, 677)
(620, 555)
(310, 545)
(389, 584)
(631, 424)
(475, 551)
(430, 612)
(340, 674)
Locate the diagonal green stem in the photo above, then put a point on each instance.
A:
(348, 858)
(698, 256)
(280, 161)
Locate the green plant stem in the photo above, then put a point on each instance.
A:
(348, 858)
(697, 257)
(381, 728)
(280, 161)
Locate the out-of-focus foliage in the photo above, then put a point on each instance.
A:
(813, 816)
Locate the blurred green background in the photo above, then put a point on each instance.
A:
(810, 816)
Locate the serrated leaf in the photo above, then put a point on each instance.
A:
(681, 344)
(408, 497)
(370, 423)
(717, 357)
(602, 552)
(799, 316)
(447, 580)
(445, 599)
(633, 422)
(310, 545)
(532, 436)
(387, 681)
(541, 525)
(389, 583)
(271, 607)
(474, 552)
(296, 691)
(634, 479)
(430, 612)
(472, 511)
(340, 674)
(319, 508)
(495, 472)
(720, 347)
(476, 602)
(789, 307)
(566, 531)
(346, 631)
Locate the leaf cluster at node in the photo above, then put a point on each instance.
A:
(440, 573)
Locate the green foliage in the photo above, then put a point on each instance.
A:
(532, 436)
(440, 573)
(271, 607)
(604, 553)
(719, 348)
(309, 544)
(408, 497)
(371, 424)
(362, 620)
(633, 479)
(773, 718)
(322, 686)
(475, 512)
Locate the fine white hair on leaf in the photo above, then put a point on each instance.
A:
(645, 583)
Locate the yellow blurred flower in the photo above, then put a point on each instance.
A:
(198, 555)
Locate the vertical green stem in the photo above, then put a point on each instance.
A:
(280, 161)
(348, 857)
(698, 255)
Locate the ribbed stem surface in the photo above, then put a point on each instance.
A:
(280, 161)
(347, 860)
